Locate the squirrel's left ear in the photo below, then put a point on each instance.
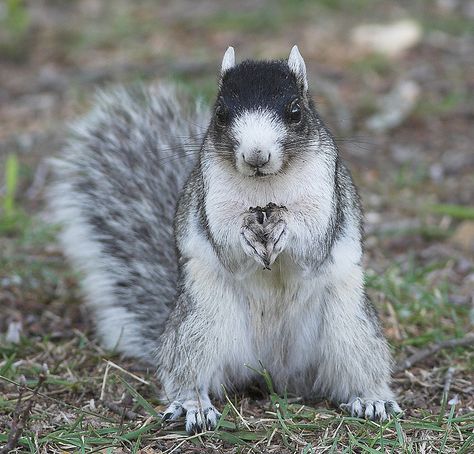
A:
(298, 67)
(228, 61)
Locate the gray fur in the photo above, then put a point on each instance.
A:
(235, 292)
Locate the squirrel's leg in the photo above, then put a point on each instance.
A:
(203, 346)
(187, 361)
(354, 359)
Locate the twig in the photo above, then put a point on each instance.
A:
(121, 369)
(235, 409)
(420, 355)
(396, 324)
(21, 415)
(104, 381)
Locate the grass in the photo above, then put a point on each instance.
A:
(11, 217)
(423, 312)
(292, 426)
(455, 211)
(80, 374)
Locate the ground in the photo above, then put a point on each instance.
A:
(403, 122)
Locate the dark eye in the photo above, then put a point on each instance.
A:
(294, 111)
(222, 115)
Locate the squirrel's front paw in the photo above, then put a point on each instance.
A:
(253, 236)
(197, 419)
(275, 230)
(264, 234)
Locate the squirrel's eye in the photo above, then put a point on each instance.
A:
(294, 112)
(222, 115)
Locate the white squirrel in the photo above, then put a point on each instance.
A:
(211, 252)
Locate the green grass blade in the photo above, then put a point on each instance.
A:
(140, 399)
(455, 211)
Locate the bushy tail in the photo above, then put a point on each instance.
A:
(114, 193)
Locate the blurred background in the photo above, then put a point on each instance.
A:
(394, 81)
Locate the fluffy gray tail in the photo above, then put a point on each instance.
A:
(114, 193)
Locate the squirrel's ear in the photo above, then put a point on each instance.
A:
(298, 67)
(228, 61)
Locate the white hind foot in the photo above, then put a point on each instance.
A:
(198, 418)
(201, 420)
(375, 410)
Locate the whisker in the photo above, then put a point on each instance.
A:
(354, 140)
(175, 149)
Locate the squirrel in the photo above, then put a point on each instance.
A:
(214, 242)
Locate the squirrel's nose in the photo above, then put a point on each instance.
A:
(257, 158)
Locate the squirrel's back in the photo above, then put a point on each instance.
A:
(115, 192)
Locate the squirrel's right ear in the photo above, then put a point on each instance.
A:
(228, 61)
(298, 67)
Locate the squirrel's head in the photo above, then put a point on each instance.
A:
(263, 116)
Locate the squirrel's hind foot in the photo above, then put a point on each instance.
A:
(198, 419)
(375, 410)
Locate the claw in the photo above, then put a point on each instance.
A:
(173, 412)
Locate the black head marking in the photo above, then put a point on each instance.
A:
(258, 84)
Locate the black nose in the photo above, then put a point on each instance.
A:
(257, 158)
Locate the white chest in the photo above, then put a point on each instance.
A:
(281, 311)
